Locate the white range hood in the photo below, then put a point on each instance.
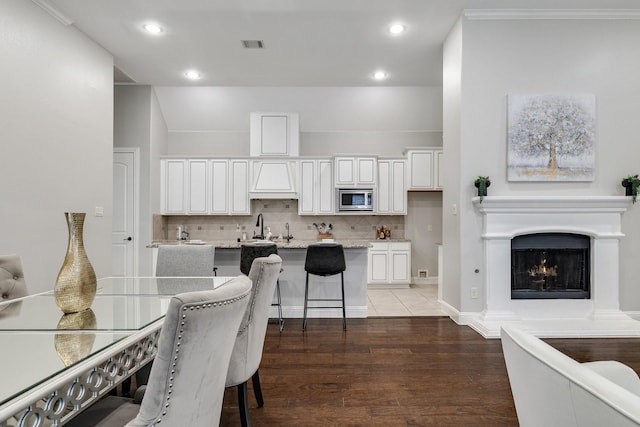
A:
(273, 179)
(274, 134)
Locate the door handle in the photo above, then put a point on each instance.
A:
(128, 238)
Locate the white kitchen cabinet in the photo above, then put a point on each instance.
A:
(219, 179)
(174, 180)
(392, 193)
(389, 264)
(197, 186)
(205, 187)
(316, 195)
(424, 169)
(274, 134)
(239, 187)
(355, 171)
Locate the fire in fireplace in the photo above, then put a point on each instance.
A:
(550, 266)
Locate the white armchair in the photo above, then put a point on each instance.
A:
(551, 389)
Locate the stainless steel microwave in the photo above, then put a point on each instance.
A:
(354, 199)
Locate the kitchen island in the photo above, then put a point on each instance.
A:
(292, 277)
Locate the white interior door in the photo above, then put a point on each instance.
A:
(124, 229)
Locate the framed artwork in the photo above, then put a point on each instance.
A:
(551, 137)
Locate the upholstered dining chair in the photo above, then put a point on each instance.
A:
(247, 351)
(185, 260)
(12, 283)
(187, 381)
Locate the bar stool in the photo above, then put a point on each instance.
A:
(251, 251)
(324, 259)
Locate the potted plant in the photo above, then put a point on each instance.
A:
(631, 184)
(481, 183)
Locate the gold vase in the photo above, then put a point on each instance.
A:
(75, 286)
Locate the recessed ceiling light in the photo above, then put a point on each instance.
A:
(192, 74)
(397, 28)
(152, 28)
(379, 75)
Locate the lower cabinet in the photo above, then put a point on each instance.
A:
(389, 264)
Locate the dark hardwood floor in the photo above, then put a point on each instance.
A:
(415, 371)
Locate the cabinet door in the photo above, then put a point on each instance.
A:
(398, 188)
(219, 187)
(378, 266)
(307, 187)
(366, 171)
(400, 262)
(325, 189)
(421, 170)
(174, 186)
(400, 266)
(197, 187)
(239, 187)
(274, 134)
(385, 187)
(438, 170)
(345, 171)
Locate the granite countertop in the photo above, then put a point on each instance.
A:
(293, 244)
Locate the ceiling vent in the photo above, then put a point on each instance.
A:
(253, 44)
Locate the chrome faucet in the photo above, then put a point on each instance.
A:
(260, 222)
(288, 236)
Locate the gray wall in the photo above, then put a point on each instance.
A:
(490, 59)
(214, 121)
(56, 128)
(139, 123)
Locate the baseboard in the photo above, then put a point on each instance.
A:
(416, 281)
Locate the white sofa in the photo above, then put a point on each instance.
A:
(551, 389)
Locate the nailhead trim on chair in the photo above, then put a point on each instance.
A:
(177, 348)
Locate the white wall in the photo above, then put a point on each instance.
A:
(502, 57)
(451, 147)
(139, 123)
(56, 118)
(382, 120)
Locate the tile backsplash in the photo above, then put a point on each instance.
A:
(276, 214)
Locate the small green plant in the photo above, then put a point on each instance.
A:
(631, 184)
(481, 183)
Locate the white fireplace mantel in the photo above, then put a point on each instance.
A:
(600, 217)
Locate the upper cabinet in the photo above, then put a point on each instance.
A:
(205, 187)
(316, 187)
(392, 192)
(355, 171)
(174, 181)
(424, 172)
(274, 134)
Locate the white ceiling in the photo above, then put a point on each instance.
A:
(307, 42)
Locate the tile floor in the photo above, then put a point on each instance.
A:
(414, 301)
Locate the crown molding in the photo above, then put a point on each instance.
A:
(514, 14)
(53, 11)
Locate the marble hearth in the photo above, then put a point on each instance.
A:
(597, 217)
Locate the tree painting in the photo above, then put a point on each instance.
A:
(551, 137)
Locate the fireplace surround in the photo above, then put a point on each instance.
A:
(598, 218)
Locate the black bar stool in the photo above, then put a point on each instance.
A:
(324, 259)
(251, 251)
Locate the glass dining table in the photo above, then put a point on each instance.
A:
(53, 365)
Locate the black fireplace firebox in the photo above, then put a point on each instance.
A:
(550, 266)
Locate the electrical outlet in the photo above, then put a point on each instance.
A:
(474, 293)
(429, 227)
